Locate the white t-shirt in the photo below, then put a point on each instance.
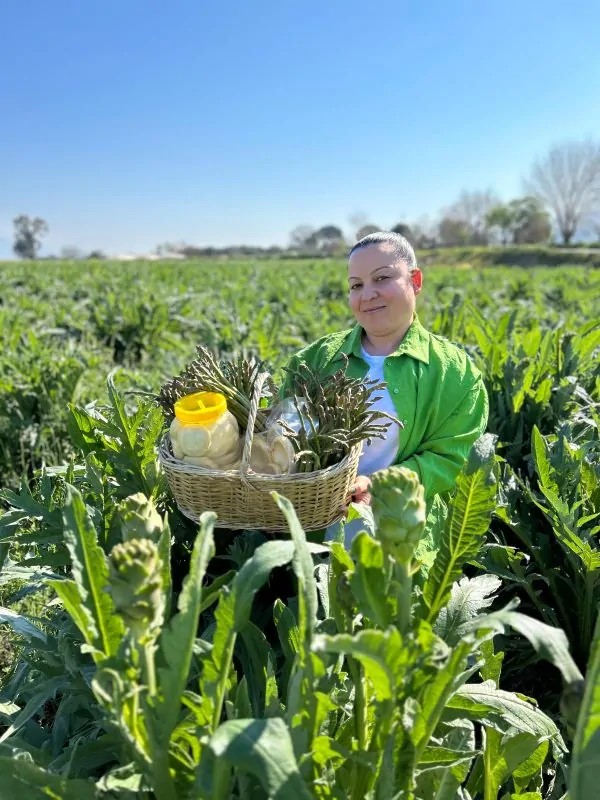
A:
(381, 453)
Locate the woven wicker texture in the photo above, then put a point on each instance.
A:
(241, 499)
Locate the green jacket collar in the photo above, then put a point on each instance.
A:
(415, 343)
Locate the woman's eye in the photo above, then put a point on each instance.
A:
(382, 278)
(355, 286)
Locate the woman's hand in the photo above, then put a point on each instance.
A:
(360, 492)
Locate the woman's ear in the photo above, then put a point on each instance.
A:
(416, 278)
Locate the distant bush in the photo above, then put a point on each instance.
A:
(517, 256)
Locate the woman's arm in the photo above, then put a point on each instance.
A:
(441, 456)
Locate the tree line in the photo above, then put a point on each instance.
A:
(562, 193)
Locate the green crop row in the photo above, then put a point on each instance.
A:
(265, 666)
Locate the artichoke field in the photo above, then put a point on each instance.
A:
(145, 656)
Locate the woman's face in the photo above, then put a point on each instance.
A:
(381, 291)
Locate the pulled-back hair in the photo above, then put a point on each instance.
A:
(403, 249)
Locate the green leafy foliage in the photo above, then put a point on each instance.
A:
(363, 705)
(263, 748)
(21, 777)
(85, 597)
(296, 672)
(467, 522)
(585, 765)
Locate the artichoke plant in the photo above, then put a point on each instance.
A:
(135, 584)
(139, 518)
(399, 510)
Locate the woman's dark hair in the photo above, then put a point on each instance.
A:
(403, 249)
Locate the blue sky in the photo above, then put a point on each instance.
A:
(127, 124)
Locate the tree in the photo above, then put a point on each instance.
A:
(424, 232)
(71, 253)
(404, 230)
(522, 221)
(168, 248)
(365, 230)
(531, 222)
(327, 240)
(28, 233)
(453, 232)
(472, 208)
(567, 180)
(300, 237)
(500, 218)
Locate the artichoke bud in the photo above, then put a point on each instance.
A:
(399, 509)
(135, 584)
(139, 518)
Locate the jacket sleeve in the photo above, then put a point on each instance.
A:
(441, 456)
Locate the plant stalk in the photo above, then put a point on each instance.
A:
(403, 580)
(222, 684)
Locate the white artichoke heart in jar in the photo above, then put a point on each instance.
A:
(217, 440)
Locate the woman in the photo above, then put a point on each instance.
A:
(432, 385)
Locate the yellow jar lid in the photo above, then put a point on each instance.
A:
(200, 407)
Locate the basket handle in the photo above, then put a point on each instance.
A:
(252, 414)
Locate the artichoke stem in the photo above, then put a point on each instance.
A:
(403, 579)
(360, 713)
(147, 659)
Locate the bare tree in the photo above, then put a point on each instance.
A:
(424, 232)
(472, 208)
(300, 237)
(567, 180)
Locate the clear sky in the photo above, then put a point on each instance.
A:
(133, 122)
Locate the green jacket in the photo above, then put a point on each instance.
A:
(437, 392)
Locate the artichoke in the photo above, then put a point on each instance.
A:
(135, 584)
(139, 518)
(399, 510)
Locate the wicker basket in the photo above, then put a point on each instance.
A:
(241, 498)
